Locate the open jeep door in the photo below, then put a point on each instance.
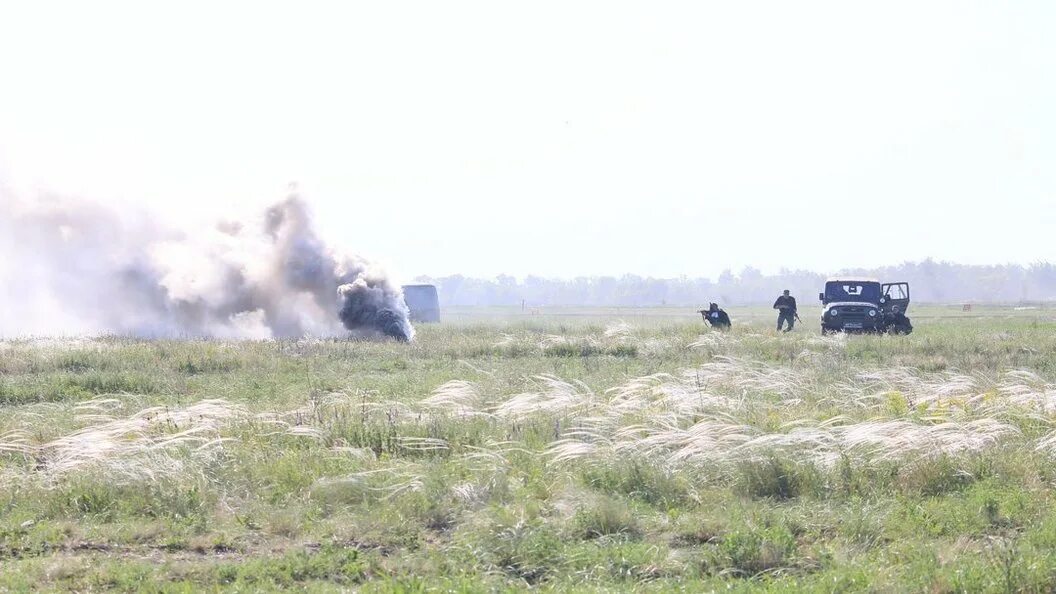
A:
(894, 298)
(894, 301)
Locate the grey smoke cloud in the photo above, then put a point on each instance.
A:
(71, 267)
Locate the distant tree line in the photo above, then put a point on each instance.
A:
(930, 281)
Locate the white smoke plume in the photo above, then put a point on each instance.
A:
(70, 267)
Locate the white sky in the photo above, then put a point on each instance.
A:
(557, 138)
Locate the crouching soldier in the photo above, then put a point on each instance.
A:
(716, 317)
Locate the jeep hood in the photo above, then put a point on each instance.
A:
(852, 303)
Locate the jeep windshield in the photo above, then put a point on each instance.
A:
(865, 292)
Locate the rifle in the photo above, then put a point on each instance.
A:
(796, 314)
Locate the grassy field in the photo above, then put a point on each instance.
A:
(557, 449)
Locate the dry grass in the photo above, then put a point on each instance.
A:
(705, 416)
(615, 455)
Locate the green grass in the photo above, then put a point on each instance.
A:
(557, 450)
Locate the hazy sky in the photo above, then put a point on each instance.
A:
(557, 138)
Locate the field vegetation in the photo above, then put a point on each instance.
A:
(588, 450)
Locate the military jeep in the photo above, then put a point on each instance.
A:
(864, 305)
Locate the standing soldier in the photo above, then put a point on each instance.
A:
(786, 306)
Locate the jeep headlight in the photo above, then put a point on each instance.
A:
(833, 311)
(872, 313)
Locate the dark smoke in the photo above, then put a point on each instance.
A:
(369, 307)
(72, 268)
